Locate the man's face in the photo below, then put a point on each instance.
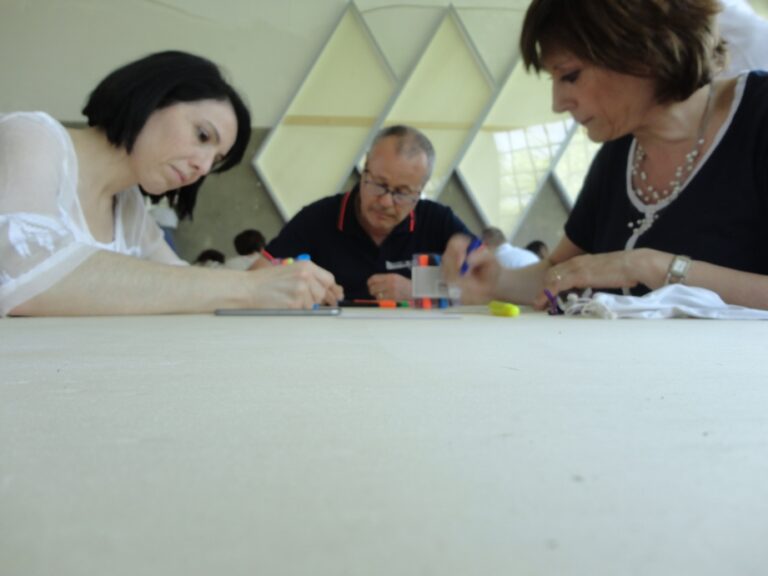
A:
(387, 172)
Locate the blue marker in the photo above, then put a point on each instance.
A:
(474, 245)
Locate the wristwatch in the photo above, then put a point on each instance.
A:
(678, 270)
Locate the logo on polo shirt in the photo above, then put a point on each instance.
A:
(398, 265)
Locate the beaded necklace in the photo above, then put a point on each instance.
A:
(647, 194)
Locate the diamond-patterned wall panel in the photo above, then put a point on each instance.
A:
(489, 120)
(495, 33)
(310, 152)
(513, 152)
(445, 96)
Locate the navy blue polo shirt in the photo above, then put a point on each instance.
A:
(328, 230)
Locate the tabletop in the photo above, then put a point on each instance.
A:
(383, 442)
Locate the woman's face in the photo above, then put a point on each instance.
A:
(608, 104)
(181, 143)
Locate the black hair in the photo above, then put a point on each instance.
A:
(124, 100)
(537, 247)
(249, 241)
(210, 255)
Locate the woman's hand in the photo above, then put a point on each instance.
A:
(298, 285)
(479, 283)
(623, 269)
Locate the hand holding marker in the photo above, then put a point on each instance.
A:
(286, 261)
(454, 289)
(496, 307)
(474, 245)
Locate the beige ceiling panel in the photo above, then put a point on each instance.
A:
(514, 150)
(496, 33)
(446, 95)
(310, 152)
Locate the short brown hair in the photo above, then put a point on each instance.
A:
(673, 41)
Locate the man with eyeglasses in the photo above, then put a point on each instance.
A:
(367, 237)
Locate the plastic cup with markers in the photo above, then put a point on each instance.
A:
(428, 288)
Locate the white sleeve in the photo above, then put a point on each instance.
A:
(139, 232)
(156, 248)
(41, 236)
(510, 256)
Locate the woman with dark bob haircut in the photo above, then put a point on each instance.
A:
(123, 101)
(678, 193)
(75, 237)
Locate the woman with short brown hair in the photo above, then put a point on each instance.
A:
(678, 193)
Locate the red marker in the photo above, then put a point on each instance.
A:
(269, 256)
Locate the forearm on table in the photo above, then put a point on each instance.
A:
(733, 286)
(650, 267)
(109, 283)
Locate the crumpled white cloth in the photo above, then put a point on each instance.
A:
(672, 301)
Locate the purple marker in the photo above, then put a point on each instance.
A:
(554, 309)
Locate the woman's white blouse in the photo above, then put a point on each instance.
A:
(43, 232)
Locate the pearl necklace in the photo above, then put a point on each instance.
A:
(647, 194)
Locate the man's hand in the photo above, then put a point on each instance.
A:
(390, 287)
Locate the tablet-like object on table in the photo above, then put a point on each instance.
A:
(321, 311)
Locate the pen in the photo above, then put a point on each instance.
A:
(474, 245)
(554, 309)
(267, 255)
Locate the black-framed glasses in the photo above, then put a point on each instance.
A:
(399, 197)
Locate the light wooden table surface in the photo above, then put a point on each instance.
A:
(378, 445)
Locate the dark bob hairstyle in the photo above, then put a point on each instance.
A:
(674, 42)
(124, 100)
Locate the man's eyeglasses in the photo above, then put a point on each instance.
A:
(399, 197)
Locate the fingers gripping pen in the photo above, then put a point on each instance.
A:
(454, 290)
(474, 245)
